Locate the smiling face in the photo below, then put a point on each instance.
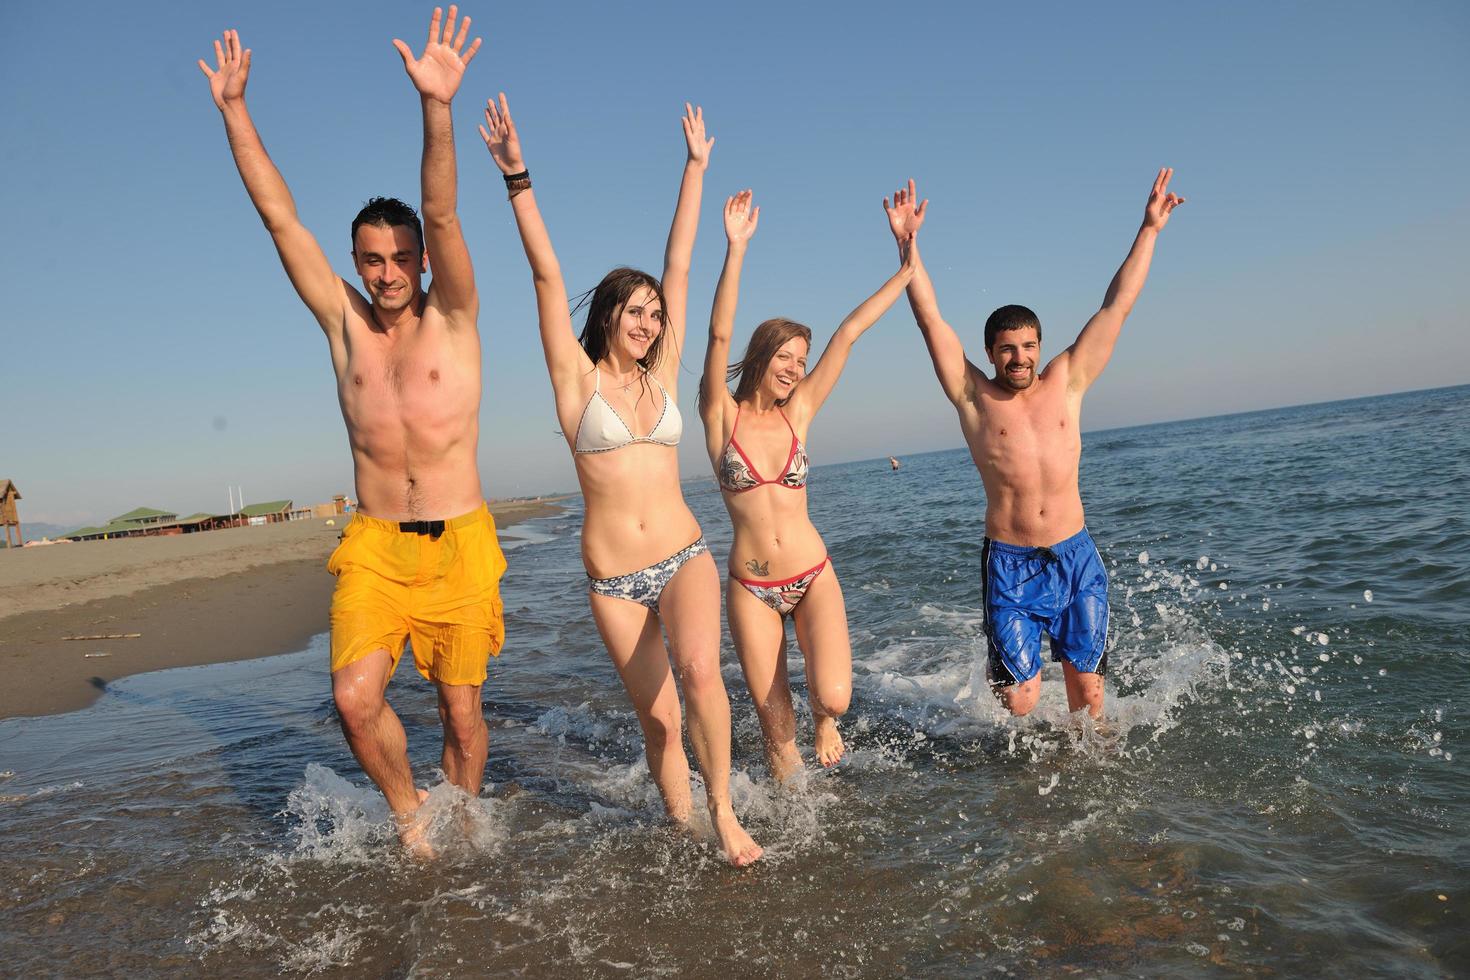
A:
(786, 367)
(774, 361)
(1015, 354)
(638, 323)
(625, 314)
(391, 262)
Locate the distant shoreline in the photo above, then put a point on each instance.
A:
(214, 597)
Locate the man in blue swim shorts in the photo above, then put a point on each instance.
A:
(1041, 573)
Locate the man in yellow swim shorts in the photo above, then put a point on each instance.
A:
(419, 563)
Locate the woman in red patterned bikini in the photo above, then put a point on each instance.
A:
(778, 565)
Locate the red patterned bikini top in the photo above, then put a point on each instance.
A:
(737, 473)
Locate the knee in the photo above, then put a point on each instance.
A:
(701, 679)
(833, 703)
(1021, 698)
(357, 704)
(464, 724)
(661, 727)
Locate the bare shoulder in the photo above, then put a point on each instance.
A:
(1059, 370)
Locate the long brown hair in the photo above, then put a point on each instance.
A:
(767, 339)
(606, 301)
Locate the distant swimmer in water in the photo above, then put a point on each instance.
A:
(893, 462)
(649, 572)
(420, 558)
(778, 565)
(1040, 571)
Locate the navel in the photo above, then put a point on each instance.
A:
(434, 375)
(357, 379)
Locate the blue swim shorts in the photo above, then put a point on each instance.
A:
(1062, 589)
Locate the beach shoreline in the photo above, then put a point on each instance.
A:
(196, 599)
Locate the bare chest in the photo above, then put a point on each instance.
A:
(1025, 433)
(408, 383)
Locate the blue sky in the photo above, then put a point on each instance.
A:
(155, 353)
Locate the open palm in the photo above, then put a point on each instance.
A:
(438, 71)
(905, 214)
(740, 218)
(231, 69)
(699, 145)
(501, 139)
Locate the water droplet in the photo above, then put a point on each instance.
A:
(1143, 557)
(1367, 595)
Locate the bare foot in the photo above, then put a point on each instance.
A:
(740, 850)
(413, 830)
(828, 742)
(784, 760)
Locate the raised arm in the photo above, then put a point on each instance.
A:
(679, 251)
(905, 217)
(1089, 354)
(816, 386)
(714, 394)
(436, 75)
(307, 267)
(565, 359)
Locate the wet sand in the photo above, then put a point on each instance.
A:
(195, 598)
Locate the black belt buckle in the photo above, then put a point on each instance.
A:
(432, 528)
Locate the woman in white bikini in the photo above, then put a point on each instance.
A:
(649, 572)
(778, 565)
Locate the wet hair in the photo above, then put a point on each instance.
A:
(388, 212)
(1010, 318)
(767, 339)
(606, 301)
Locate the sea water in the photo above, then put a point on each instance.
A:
(1279, 787)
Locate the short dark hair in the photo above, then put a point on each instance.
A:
(388, 212)
(1010, 318)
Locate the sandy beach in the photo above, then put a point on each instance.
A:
(204, 598)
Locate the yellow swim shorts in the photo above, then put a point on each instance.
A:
(442, 591)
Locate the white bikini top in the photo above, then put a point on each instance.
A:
(602, 429)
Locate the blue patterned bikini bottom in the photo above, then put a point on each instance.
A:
(646, 586)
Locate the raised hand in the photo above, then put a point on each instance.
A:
(699, 147)
(740, 219)
(905, 214)
(231, 69)
(499, 134)
(1161, 201)
(438, 72)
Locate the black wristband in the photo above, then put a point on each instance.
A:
(512, 178)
